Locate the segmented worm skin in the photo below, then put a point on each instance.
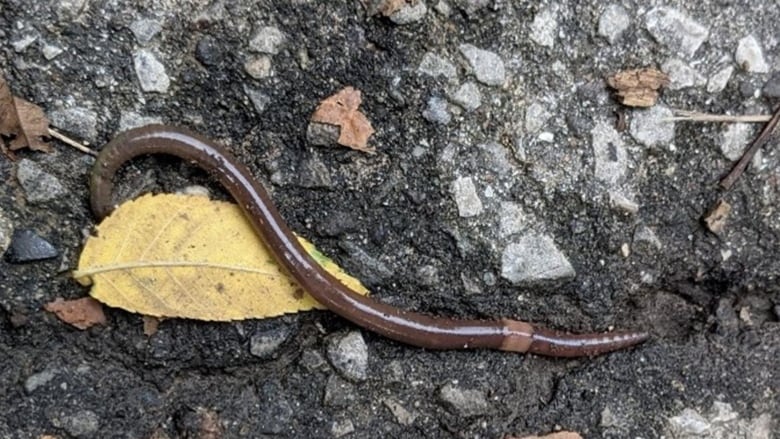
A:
(398, 324)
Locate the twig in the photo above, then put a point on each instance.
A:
(67, 140)
(747, 156)
(695, 116)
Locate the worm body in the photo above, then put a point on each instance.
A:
(401, 325)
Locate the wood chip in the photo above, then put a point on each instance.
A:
(341, 110)
(638, 87)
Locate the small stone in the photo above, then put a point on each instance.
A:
(259, 67)
(536, 115)
(28, 246)
(23, 43)
(409, 13)
(39, 186)
(131, 119)
(720, 79)
(467, 96)
(511, 219)
(772, 87)
(465, 194)
(645, 240)
(487, 66)
(266, 344)
(435, 65)
(50, 51)
(681, 75)
(83, 423)
(545, 27)
(734, 139)
(260, 101)
(437, 111)
(609, 151)
(428, 275)
(342, 428)
(623, 202)
(145, 30)
(613, 22)
(546, 136)
(267, 39)
(349, 356)
(150, 72)
(339, 393)
(533, 258)
(37, 380)
(313, 173)
(402, 416)
(443, 8)
(464, 402)
(322, 134)
(77, 120)
(68, 10)
(749, 55)
(716, 216)
(650, 128)
(6, 231)
(208, 52)
(675, 30)
(608, 419)
(312, 361)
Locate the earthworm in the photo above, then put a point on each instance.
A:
(405, 326)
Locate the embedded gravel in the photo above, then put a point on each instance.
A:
(502, 186)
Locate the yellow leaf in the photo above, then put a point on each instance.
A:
(187, 256)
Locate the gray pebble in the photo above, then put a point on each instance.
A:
(623, 202)
(772, 87)
(208, 52)
(681, 74)
(609, 151)
(435, 65)
(613, 22)
(467, 96)
(145, 29)
(534, 258)
(734, 139)
(28, 246)
(401, 414)
(150, 72)
(720, 422)
(348, 354)
(312, 361)
(428, 275)
(6, 231)
(339, 393)
(536, 115)
(267, 39)
(342, 427)
(511, 219)
(544, 28)
(675, 30)
(265, 344)
(131, 119)
(24, 42)
(750, 56)
(259, 67)
(39, 186)
(409, 13)
(77, 120)
(51, 51)
(322, 134)
(645, 240)
(437, 111)
(720, 79)
(37, 380)
(260, 101)
(464, 402)
(650, 128)
(83, 423)
(487, 66)
(465, 194)
(313, 173)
